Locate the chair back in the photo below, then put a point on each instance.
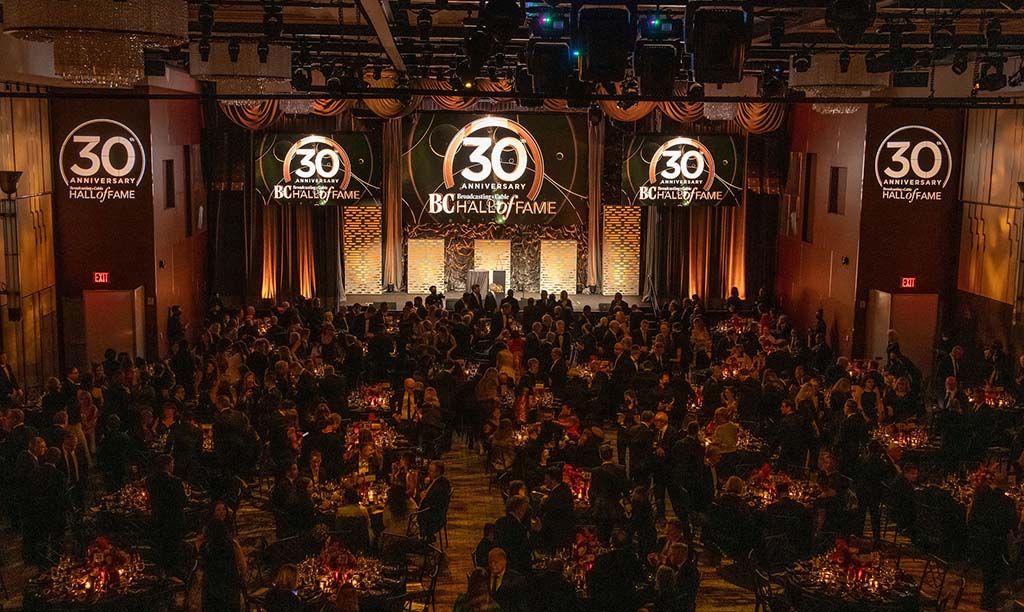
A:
(353, 532)
(933, 579)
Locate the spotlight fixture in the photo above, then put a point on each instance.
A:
(263, 50)
(501, 19)
(466, 74)
(478, 48)
(206, 18)
(204, 49)
(402, 80)
(875, 61)
(301, 79)
(773, 82)
(844, 61)
(658, 26)
(655, 63)
(549, 24)
(273, 20)
(943, 33)
(424, 23)
(777, 31)
(695, 91)
(376, 72)
(305, 58)
(850, 18)
(801, 61)
(959, 62)
(993, 33)
(326, 69)
(630, 94)
(234, 48)
(492, 72)
(990, 74)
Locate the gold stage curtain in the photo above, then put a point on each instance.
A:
(392, 217)
(681, 111)
(555, 105)
(327, 107)
(390, 108)
(288, 260)
(448, 102)
(304, 251)
(271, 244)
(733, 246)
(638, 111)
(701, 229)
(760, 117)
(595, 155)
(255, 116)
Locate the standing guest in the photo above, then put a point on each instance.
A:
(112, 454)
(9, 387)
(73, 464)
(512, 533)
(993, 517)
(612, 581)
(608, 486)
(556, 511)
(224, 568)
(167, 501)
(26, 468)
(48, 507)
(664, 437)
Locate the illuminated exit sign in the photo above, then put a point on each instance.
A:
(908, 282)
(101, 277)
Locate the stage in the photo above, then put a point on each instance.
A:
(395, 301)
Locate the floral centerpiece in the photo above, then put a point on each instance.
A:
(105, 568)
(380, 434)
(844, 572)
(581, 556)
(578, 481)
(371, 398)
(335, 566)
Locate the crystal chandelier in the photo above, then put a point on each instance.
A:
(296, 106)
(726, 111)
(825, 78)
(243, 68)
(99, 43)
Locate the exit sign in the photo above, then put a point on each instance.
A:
(101, 277)
(908, 282)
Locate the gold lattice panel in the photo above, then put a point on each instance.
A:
(620, 249)
(558, 266)
(361, 237)
(425, 259)
(492, 255)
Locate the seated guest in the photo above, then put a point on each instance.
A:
(284, 487)
(506, 584)
(683, 561)
(315, 473)
(484, 546)
(673, 533)
(667, 597)
(282, 595)
(993, 517)
(397, 511)
(54, 434)
(366, 462)
(550, 591)
(512, 533)
(352, 519)
(724, 436)
(558, 523)
(786, 516)
(477, 597)
(612, 582)
(434, 501)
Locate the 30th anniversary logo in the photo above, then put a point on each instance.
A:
(102, 160)
(913, 164)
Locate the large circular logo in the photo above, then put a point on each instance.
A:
(317, 161)
(682, 161)
(915, 159)
(100, 155)
(496, 149)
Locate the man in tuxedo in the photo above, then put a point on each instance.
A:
(612, 581)
(512, 533)
(664, 438)
(608, 486)
(23, 489)
(642, 335)
(334, 390)
(563, 339)
(657, 359)
(167, 501)
(9, 386)
(559, 371)
(476, 301)
(54, 434)
(558, 524)
(329, 441)
(618, 303)
(435, 498)
(74, 466)
(711, 392)
(641, 449)
(69, 387)
(951, 398)
(792, 437)
(229, 435)
(510, 299)
(507, 585)
(788, 517)
(44, 532)
(434, 298)
(491, 299)
(501, 319)
(951, 364)
(406, 408)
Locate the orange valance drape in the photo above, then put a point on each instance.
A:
(330, 107)
(760, 117)
(255, 116)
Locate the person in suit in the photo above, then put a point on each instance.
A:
(54, 434)
(792, 436)
(993, 517)
(229, 435)
(9, 387)
(491, 299)
(434, 500)
(641, 449)
(300, 512)
(559, 371)
(510, 299)
(475, 301)
(789, 517)
(664, 437)
(951, 399)
(334, 390)
(951, 364)
(558, 524)
(612, 581)
(167, 501)
(49, 507)
(406, 406)
(507, 586)
(512, 534)
(75, 468)
(33, 532)
(609, 484)
(364, 461)
(550, 591)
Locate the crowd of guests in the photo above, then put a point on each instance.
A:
(534, 384)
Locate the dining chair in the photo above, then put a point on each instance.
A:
(766, 598)
(932, 582)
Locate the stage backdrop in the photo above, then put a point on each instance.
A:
(667, 169)
(517, 177)
(342, 168)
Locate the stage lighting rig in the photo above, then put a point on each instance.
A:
(943, 34)
(991, 76)
(844, 61)
(658, 26)
(959, 65)
(524, 88)
(206, 18)
(656, 63)
(777, 31)
(602, 40)
(501, 19)
(466, 74)
(424, 23)
(773, 81)
(549, 24)
(630, 94)
(273, 20)
(993, 33)
(718, 40)
(801, 61)
(550, 65)
(377, 72)
(234, 48)
(301, 79)
(204, 49)
(850, 18)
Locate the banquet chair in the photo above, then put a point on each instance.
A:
(951, 601)
(778, 551)
(766, 597)
(423, 569)
(932, 582)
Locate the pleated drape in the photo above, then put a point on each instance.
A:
(255, 116)
(289, 263)
(304, 260)
(390, 108)
(760, 117)
(271, 244)
(700, 249)
(332, 107)
(392, 217)
(595, 160)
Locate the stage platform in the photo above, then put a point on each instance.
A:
(395, 301)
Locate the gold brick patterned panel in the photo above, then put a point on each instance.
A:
(492, 255)
(558, 266)
(425, 259)
(620, 259)
(362, 243)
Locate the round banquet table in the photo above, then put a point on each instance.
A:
(808, 595)
(141, 596)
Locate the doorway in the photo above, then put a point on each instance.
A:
(114, 319)
(914, 316)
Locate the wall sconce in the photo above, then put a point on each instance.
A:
(9, 220)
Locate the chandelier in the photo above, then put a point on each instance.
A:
(242, 68)
(726, 111)
(99, 43)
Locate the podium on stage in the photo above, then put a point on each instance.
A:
(486, 278)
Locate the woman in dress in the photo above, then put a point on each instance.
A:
(223, 564)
